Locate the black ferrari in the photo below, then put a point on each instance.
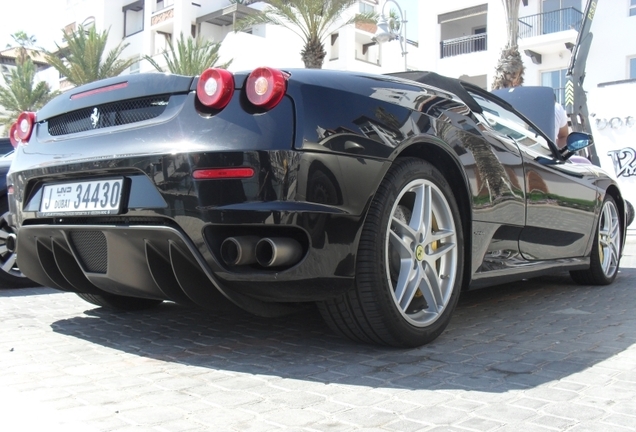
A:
(379, 198)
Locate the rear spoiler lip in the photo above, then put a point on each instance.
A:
(123, 87)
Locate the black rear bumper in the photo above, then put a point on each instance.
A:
(157, 262)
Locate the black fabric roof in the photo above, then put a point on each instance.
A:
(451, 85)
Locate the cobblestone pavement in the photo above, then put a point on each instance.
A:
(538, 355)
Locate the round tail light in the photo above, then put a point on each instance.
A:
(13, 137)
(266, 87)
(215, 88)
(25, 123)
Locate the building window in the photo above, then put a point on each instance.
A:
(88, 24)
(553, 5)
(632, 68)
(134, 68)
(335, 47)
(133, 18)
(69, 30)
(555, 79)
(632, 7)
(366, 8)
(163, 4)
(162, 41)
(561, 15)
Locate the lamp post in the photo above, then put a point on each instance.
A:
(386, 34)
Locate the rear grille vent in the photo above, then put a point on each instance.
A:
(92, 250)
(108, 115)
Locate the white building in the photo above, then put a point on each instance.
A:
(463, 38)
(146, 25)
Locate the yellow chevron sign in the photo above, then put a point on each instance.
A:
(569, 92)
(590, 15)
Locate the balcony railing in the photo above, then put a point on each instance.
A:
(559, 93)
(550, 22)
(163, 4)
(463, 45)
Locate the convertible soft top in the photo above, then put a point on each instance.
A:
(442, 82)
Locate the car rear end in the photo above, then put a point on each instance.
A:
(170, 187)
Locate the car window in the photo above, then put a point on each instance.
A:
(513, 126)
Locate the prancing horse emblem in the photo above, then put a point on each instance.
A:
(95, 118)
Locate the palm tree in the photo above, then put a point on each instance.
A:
(21, 93)
(82, 60)
(24, 42)
(311, 20)
(191, 57)
(509, 70)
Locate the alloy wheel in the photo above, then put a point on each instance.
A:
(609, 239)
(8, 257)
(422, 253)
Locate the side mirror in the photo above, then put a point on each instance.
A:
(578, 141)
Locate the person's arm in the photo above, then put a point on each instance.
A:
(561, 119)
(562, 135)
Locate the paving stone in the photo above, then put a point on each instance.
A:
(436, 416)
(404, 425)
(293, 418)
(621, 420)
(572, 411)
(181, 425)
(504, 413)
(626, 407)
(598, 427)
(552, 422)
(480, 424)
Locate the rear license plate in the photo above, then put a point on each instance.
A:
(98, 197)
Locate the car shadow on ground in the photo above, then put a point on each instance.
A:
(508, 337)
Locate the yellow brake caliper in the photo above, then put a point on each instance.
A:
(434, 247)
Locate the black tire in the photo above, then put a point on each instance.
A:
(630, 213)
(606, 250)
(390, 252)
(119, 303)
(10, 274)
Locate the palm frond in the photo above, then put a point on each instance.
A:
(84, 58)
(189, 56)
(311, 20)
(21, 93)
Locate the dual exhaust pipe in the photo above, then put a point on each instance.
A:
(267, 252)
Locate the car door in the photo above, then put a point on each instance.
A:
(561, 202)
(560, 197)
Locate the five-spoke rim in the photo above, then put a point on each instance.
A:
(609, 239)
(421, 252)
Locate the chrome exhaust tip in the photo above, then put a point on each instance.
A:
(11, 242)
(239, 250)
(278, 251)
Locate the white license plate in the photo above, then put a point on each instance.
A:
(82, 198)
